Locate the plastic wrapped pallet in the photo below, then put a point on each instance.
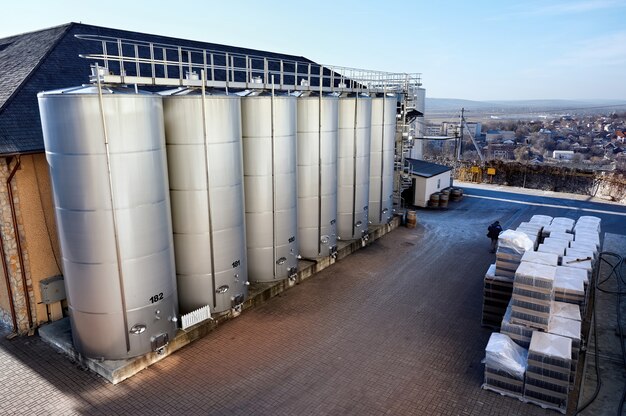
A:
(557, 242)
(541, 219)
(576, 263)
(588, 237)
(587, 221)
(543, 248)
(562, 236)
(511, 246)
(496, 296)
(514, 242)
(569, 287)
(549, 259)
(565, 310)
(549, 229)
(520, 334)
(584, 245)
(548, 371)
(580, 253)
(532, 295)
(567, 223)
(505, 365)
(586, 228)
(571, 329)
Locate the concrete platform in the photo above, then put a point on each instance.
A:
(59, 333)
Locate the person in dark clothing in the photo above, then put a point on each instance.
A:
(493, 232)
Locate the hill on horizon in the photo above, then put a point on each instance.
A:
(512, 106)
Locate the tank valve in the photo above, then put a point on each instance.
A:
(173, 319)
(157, 314)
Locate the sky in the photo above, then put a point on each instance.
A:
(476, 50)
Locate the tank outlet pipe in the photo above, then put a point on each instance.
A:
(20, 254)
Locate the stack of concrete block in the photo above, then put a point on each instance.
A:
(565, 310)
(520, 334)
(511, 246)
(549, 259)
(562, 222)
(556, 242)
(532, 230)
(505, 365)
(543, 220)
(571, 286)
(548, 372)
(545, 248)
(496, 296)
(532, 295)
(569, 328)
(578, 263)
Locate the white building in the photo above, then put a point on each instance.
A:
(563, 154)
(428, 178)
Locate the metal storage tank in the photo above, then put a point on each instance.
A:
(382, 158)
(353, 165)
(269, 166)
(204, 157)
(317, 175)
(109, 176)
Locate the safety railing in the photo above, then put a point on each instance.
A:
(128, 61)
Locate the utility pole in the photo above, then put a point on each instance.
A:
(459, 147)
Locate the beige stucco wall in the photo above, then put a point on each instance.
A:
(38, 228)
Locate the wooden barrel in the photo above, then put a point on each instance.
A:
(443, 201)
(411, 219)
(434, 198)
(456, 194)
(445, 192)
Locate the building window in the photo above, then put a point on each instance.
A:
(438, 183)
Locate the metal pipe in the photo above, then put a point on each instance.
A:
(7, 279)
(18, 244)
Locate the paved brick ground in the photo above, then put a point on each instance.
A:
(392, 329)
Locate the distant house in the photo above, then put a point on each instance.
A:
(563, 154)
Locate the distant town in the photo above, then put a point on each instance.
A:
(583, 141)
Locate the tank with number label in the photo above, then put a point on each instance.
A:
(109, 176)
(269, 165)
(382, 158)
(317, 175)
(204, 155)
(353, 166)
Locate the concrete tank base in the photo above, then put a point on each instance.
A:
(59, 335)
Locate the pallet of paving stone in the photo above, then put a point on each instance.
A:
(520, 334)
(532, 295)
(503, 382)
(566, 310)
(548, 372)
(549, 259)
(569, 286)
(543, 220)
(544, 248)
(505, 365)
(571, 329)
(496, 296)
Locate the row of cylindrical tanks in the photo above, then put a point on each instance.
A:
(175, 200)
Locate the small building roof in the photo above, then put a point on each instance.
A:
(426, 169)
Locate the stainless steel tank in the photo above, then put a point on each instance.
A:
(382, 158)
(109, 175)
(317, 175)
(353, 166)
(269, 166)
(204, 154)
